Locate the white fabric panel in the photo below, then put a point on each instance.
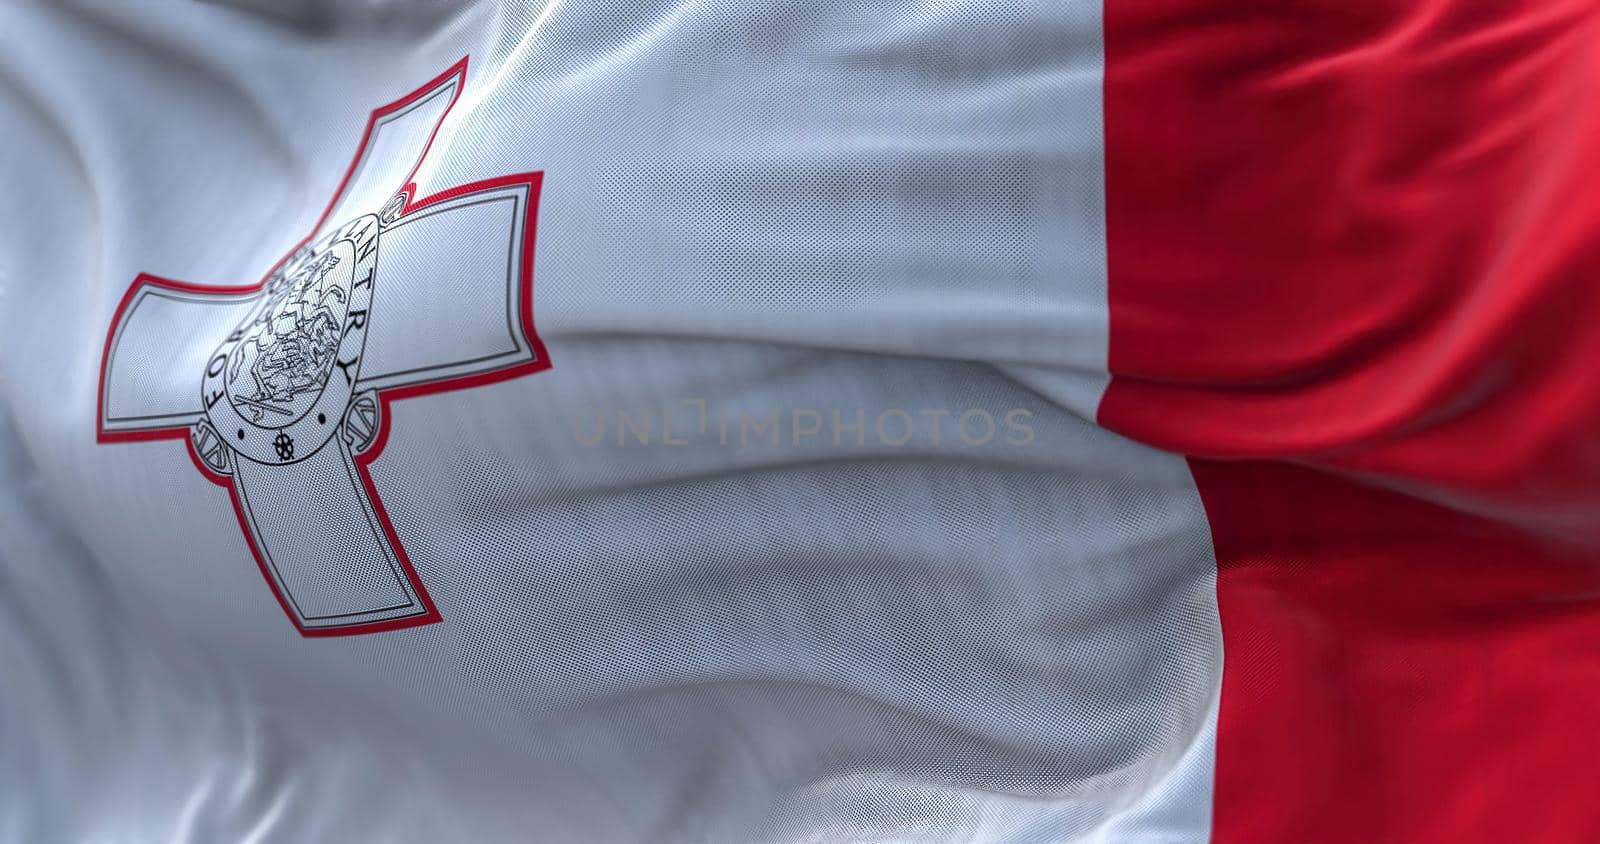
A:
(759, 223)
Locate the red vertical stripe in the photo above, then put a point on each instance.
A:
(1365, 237)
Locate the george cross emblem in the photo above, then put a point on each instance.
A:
(282, 389)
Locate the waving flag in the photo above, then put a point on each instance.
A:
(910, 421)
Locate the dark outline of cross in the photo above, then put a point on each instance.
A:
(539, 362)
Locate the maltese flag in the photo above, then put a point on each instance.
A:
(1029, 420)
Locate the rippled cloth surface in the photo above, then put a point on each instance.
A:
(899, 411)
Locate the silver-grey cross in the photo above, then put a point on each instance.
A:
(282, 388)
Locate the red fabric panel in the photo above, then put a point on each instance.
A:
(1366, 234)
(1396, 671)
(1364, 237)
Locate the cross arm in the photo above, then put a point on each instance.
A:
(321, 540)
(156, 348)
(452, 300)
